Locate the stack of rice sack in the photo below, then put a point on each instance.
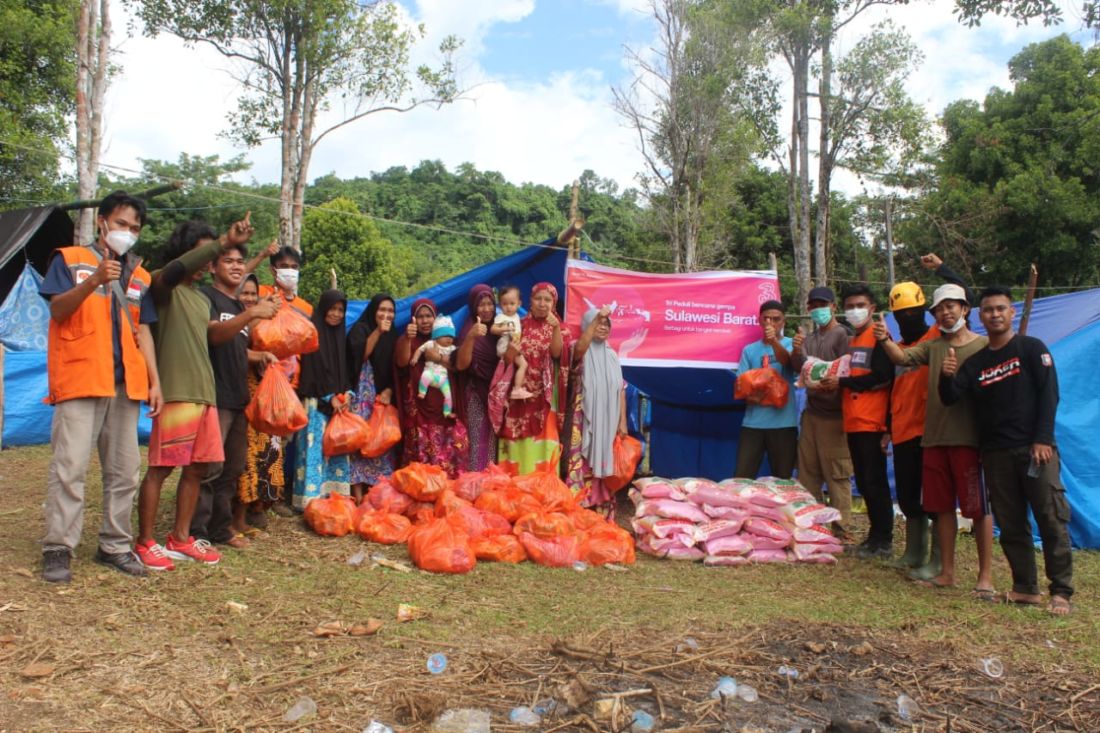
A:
(488, 515)
(734, 522)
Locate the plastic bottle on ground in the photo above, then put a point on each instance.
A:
(747, 693)
(726, 687)
(437, 663)
(304, 707)
(908, 710)
(788, 672)
(993, 667)
(462, 720)
(524, 716)
(376, 727)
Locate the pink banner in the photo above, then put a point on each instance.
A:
(697, 319)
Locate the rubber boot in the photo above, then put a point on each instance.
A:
(934, 566)
(916, 543)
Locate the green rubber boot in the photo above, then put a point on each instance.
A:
(916, 544)
(934, 566)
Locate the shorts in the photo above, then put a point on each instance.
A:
(185, 433)
(952, 474)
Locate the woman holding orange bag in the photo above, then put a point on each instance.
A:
(325, 388)
(597, 413)
(371, 343)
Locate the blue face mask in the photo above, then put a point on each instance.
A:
(821, 316)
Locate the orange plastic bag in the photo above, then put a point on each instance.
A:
(383, 431)
(470, 484)
(554, 552)
(510, 503)
(478, 524)
(627, 451)
(383, 527)
(287, 334)
(763, 386)
(384, 497)
(449, 502)
(421, 481)
(438, 546)
(499, 548)
(331, 516)
(545, 524)
(275, 409)
(420, 511)
(343, 434)
(550, 490)
(609, 543)
(586, 519)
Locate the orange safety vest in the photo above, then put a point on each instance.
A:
(79, 356)
(864, 412)
(909, 396)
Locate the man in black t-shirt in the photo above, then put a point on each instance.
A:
(1014, 389)
(227, 334)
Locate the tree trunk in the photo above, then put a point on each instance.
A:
(310, 103)
(93, 50)
(824, 163)
(291, 69)
(799, 193)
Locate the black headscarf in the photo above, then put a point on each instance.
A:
(325, 371)
(381, 358)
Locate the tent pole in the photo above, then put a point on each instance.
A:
(150, 193)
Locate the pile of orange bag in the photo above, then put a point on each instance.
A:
(489, 515)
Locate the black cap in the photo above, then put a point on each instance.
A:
(825, 294)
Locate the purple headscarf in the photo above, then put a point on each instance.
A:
(484, 360)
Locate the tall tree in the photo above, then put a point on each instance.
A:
(300, 59)
(93, 46)
(680, 104)
(36, 95)
(338, 238)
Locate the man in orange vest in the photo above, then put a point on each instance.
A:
(865, 401)
(907, 404)
(101, 365)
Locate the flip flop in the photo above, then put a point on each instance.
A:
(1059, 606)
(985, 595)
(252, 532)
(932, 583)
(1008, 599)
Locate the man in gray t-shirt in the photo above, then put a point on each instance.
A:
(823, 456)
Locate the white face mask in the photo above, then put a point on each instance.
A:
(287, 277)
(954, 329)
(121, 240)
(857, 316)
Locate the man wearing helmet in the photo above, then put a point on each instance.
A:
(950, 467)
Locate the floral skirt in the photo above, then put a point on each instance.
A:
(315, 475)
(368, 470)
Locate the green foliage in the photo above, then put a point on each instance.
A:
(37, 82)
(337, 237)
(1019, 176)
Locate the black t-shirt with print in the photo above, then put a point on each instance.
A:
(230, 360)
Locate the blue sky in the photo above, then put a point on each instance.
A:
(540, 74)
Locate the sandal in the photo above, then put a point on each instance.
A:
(238, 541)
(1059, 606)
(985, 595)
(252, 532)
(1015, 599)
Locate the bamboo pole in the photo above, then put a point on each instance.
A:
(1033, 280)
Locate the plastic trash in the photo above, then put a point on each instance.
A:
(524, 716)
(726, 687)
(747, 693)
(689, 644)
(580, 566)
(376, 727)
(993, 667)
(908, 710)
(546, 707)
(301, 709)
(437, 663)
(357, 559)
(643, 722)
(462, 720)
(788, 672)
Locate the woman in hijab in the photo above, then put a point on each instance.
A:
(325, 389)
(597, 414)
(477, 360)
(371, 343)
(428, 435)
(529, 428)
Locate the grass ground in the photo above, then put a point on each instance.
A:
(179, 652)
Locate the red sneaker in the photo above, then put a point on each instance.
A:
(153, 556)
(192, 549)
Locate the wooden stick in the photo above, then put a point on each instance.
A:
(1032, 281)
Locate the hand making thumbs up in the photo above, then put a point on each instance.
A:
(950, 364)
(799, 337)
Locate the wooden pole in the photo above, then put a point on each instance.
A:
(150, 193)
(1032, 281)
(773, 265)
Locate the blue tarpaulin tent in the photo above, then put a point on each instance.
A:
(694, 422)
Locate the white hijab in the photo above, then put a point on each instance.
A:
(602, 383)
